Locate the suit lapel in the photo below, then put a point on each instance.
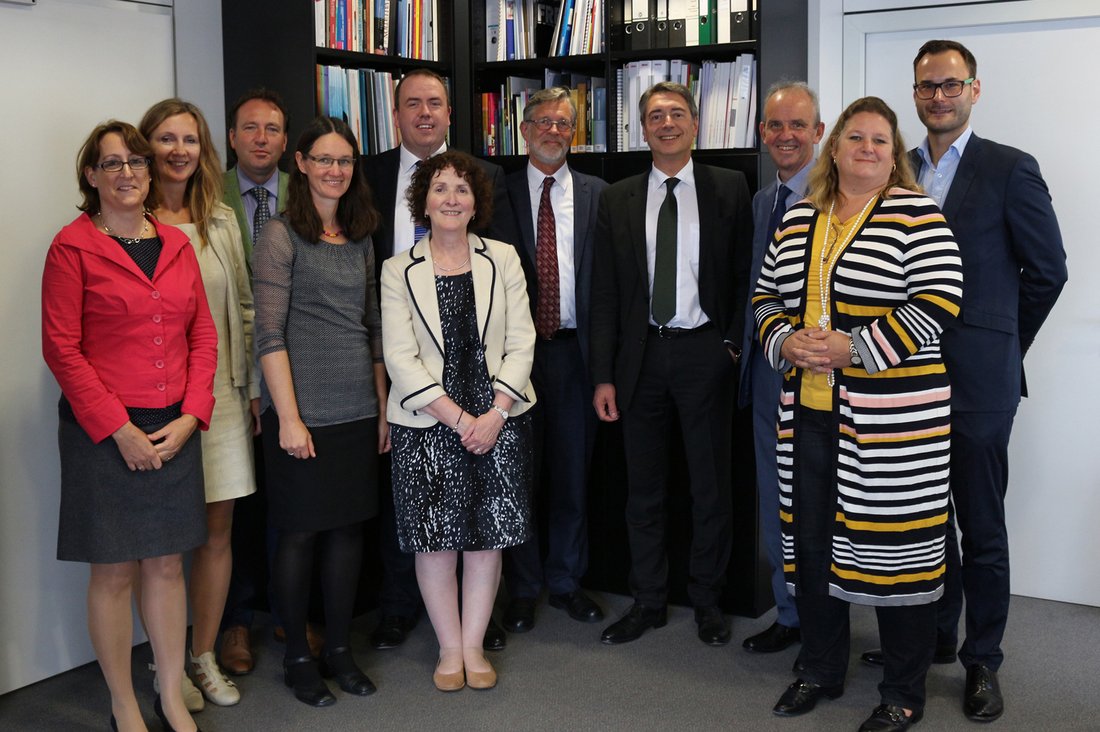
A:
(964, 176)
(420, 279)
(484, 273)
(581, 205)
(635, 217)
(521, 204)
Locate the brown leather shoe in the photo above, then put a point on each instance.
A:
(314, 638)
(236, 651)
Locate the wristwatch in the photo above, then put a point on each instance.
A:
(856, 359)
(501, 411)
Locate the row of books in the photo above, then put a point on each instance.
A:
(725, 93)
(364, 99)
(526, 29)
(405, 28)
(502, 112)
(647, 24)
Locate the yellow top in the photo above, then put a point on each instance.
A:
(816, 392)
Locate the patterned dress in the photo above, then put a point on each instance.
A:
(445, 497)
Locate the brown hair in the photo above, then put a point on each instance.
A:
(264, 94)
(824, 178)
(668, 87)
(89, 156)
(355, 212)
(934, 47)
(204, 187)
(421, 72)
(467, 168)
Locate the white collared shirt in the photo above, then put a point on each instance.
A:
(937, 179)
(561, 199)
(403, 226)
(689, 313)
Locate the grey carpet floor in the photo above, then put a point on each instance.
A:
(559, 677)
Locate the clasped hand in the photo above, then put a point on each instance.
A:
(479, 435)
(150, 451)
(817, 350)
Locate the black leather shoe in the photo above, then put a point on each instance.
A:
(801, 697)
(519, 617)
(638, 619)
(304, 677)
(776, 638)
(889, 718)
(713, 628)
(942, 654)
(579, 606)
(983, 701)
(340, 664)
(158, 709)
(392, 631)
(495, 639)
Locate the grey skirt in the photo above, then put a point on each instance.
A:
(111, 514)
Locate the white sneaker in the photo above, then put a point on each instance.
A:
(192, 697)
(215, 686)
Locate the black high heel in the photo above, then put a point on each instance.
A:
(158, 709)
(303, 676)
(340, 664)
(114, 724)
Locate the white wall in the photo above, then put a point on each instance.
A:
(65, 65)
(1035, 59)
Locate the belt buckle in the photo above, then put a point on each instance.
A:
(664, 331)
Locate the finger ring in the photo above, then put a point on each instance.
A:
(290, 452)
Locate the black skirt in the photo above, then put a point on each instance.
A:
(336, 488)
(112, 514)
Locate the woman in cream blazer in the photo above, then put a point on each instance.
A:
(459, 344)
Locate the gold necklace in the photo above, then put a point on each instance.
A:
(125, 239)
(825, 273)
(441, 268)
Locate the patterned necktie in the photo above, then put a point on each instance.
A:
(778, 210)
(262, 212)
(548, 307)
(419, 231)
(663, 305)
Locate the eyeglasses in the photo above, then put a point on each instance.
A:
(114, 165)
(950, 88)
(326, 162)
(543, 124)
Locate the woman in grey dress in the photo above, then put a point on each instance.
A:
(459, 345)
(319, 341)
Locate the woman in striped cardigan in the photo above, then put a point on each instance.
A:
(856, 287)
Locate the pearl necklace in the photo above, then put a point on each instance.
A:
(829, 256)
(125, 239)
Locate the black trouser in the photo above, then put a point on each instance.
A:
(693, 375)
(907, 633)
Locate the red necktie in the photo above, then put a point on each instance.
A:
(547, 309)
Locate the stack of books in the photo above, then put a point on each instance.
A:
(404, 28)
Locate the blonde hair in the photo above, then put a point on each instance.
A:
(204, 188)
(824, 178)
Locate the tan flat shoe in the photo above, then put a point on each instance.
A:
(452, 681)
(481, 679)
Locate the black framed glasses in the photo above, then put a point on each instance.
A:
(950, 88)
(545, 123)
(114, 165)
(326, 162)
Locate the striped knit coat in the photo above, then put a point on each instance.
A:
(894, 288)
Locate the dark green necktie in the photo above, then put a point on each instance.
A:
(663, 305)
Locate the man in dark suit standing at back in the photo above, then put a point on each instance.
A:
(668, 306)
(1014, 266)
(422, 114)
(790, 128)
(555, 209)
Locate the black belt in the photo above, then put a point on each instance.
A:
(562, 334)
(664, 331)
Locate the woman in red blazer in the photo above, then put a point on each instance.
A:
(127, 332)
